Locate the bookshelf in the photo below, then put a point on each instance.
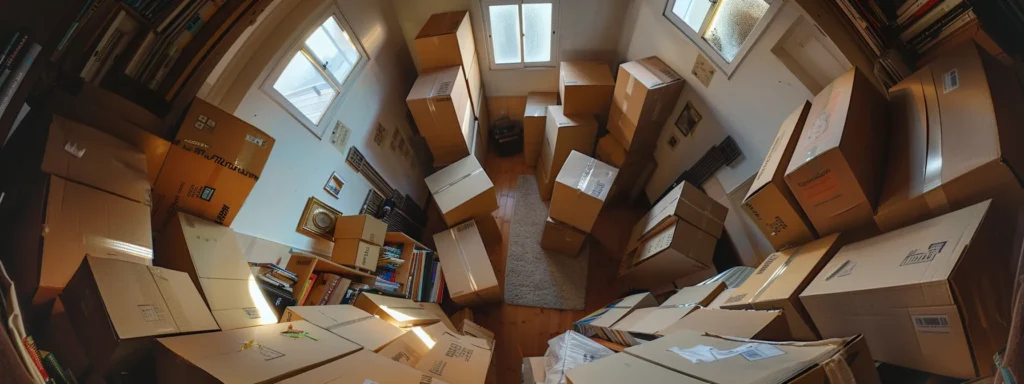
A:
(403, 272)
(303, 265)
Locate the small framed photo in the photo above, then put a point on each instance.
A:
(688, 119)
(334, 185)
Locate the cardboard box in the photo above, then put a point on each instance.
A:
(59, 338)
(223, 137)
(633, 176)
(561, 238)
(440, 104)
(248, 355)
(534, 120)
(457, 360)
(80, 220)
(200, 185)
(686, 203)
(399, 312)
(120, 306)
(934, 291)
(721, 298)
(625, 368)
(837, 166)
(437, 311)
(769, 203)
(450, 147)
(678, 250)
(349, 322)
(585, 87)
(356, 253)
(758, 325)
(459, 316)
(610, 151)
(562, 135)
(466, 266)
(412, 346)
(952, 145)
(362, 367)
(210, 255)
(776, 283)
(647, 323)
(534, 370)
(469, 328)
(580, 190)
(362, 227)
(646, 90)
(446, 40)
(462, 190)
(598, 323)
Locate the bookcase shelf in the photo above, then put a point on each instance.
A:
(408, 245)
(304, 265)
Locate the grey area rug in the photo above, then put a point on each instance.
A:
(535, 277)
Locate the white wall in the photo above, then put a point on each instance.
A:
(301, 163)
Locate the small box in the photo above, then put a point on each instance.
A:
(363, 367)
(776, 283)
(397, 311)
(356, 253)
(457, 360)
(769, 203)
(585, 87)
(837, 166)
(598, 323)
(580, 190)
(361, 227)
(462, 190)
(248, 355)
(349, 322)
(676, 251)
(610, 151)
(687, 203)
(562, 135)
(534, 120)
(446, 40)
(562, 238)
(466, 266)
(925, 296)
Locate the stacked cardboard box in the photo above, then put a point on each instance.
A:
(534, 120)
(646, 323)
(599, 323)
(562, 135)
(467, 268)
(440, 104)
(463, 191)
(446, 40)
(357, 241)
(579, 193)
(585, 87)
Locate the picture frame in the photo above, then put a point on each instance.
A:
(688, 119)
(334, 185)
(318, 219)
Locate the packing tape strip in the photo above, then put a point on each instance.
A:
(775, 275)
(934, 195)
(585, 176)
(451, 184)
(659, 74)
(462, 256)
(346, 323)
(837, 370)
(120, 248)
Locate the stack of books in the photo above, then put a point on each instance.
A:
(425, 282)
(17, 53)
(387, 265)
(926, 23)
(326, 289)
(164, 44)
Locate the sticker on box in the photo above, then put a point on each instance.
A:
(931, 323)
(950, 81)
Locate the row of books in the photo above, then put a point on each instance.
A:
(17, 53)
(330, 289)
(50, 370)
(160, 50)
(932, 21)
(425, 282)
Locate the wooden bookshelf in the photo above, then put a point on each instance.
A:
(408, 245)
(304, 265)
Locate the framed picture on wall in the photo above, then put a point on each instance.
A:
(688, 119)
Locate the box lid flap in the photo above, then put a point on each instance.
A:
(187, 308)
(623, 368)
(696, 295)
(214, 249)
(351, 323)
(651, 72)
(826, 121)
(436, 83)
(442, 24)
(455, 360)
(561, 120)
(403, 310)
(587, 175)
(585, 73)
(783, 274)
(738, 323)
(655, 319)
(363, 367)
(537, 103)
(458, 183)
(775, 162)
(230, 294)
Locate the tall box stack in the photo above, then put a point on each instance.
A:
(357, 241)
(646, 90)
(446, 40)
(836, 170)
(534, 120)
(463, 191)
(562, 135)
(579, 194)
(466, 266)
(585, 87)
(440, 104)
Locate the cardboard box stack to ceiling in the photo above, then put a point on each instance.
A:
(466, 266)
(347, 321)
(562, 135)
(362, 367)
(776, 283)
(462, 191)
(397, 311)
(647, 323)
(598, 324)
(580, 190)
(955, 127)
(440, 104)
(210, 255)
(263, 354)
(562, 238)
(836, 169)
(925, 296)
(585, 87)
(446, 40)
(119, 306)
(534, 120)
(769, 202)
(646, 91)
(214, 163)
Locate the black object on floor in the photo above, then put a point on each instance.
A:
(506, 137)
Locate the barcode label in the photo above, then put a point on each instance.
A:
(950, 81)
(931, 323)
(256, 140)
(252, 312)
(761, 351)
(598, 188)
(445, 88)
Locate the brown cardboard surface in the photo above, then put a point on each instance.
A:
(674, 252)
(534, 370)
(224, 137)
(409, 348)
(462, 190)
(562, 135)
(769, 203)
(356, 253)
(453, 324)
(251, 355)
(646, 90)
(759, 325)
(59, 338)
(599, 322)
(580, 190)
(466, 266)
(935, 292)
(687, 203)
(362, 367)
(629, 135)
(776, 283)
(645, 323)
(456, 361)
(445, 40)
(951, 149)
(624, 368)
(585, 87)
(469, 328)
(349, 322)
(210, 255)
(400, 312)
(438, 102)
(701, 295)
(81, 220)
(200, 185)
(561, 238)
(364, 227)
(610, 151)
(721, 298)
(836, 170)
(534, 118)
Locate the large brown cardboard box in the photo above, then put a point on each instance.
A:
(446, 40)
(562, 135)
(199, 185)
(412, 346)
(769, 203)
(629, 135)
(776, 283)
(837, 166)
(400, 312)
(610, 151)
(349, 322)
(462, 190)
(585, 87)
(224, 137)
(119, 306)
(687, 203)
(448, 148)
(534, 120)
(580, 190)
(930, 296)
(457, 360)
(466, 266)
(562, 238)
(362, 227)
(676, 251)
(248, 355)
(362, 367)
(955, 130)
(356, 253)
(759, 325)
(439, 102)
(646, 323)
(598, 323)
(646, 90)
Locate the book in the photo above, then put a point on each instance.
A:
(338, 293)
(917, 9)
(17, 76)
(171, 13)
(319, 289)
(274, 282)
(8, 60)
(175, 47)
(957, 24)
(940, 25)
(934, 14)
(33, 351)
(332, 283)
(307, 288)
(53, 368)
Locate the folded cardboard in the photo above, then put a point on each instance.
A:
(597, 323)
(610, 151)
(776, 283)
(585, 87)
(457, 360)
(438, 101)
(119, 306)
(534, 370)
(562, 135)
(926, 296)
(561, 238)
(750, 324)
(446, 40)
(355, 253)
(397, 311)
(349, 322)
(362, 367)
(466, 266)
(224, 137)
(836, 170)
(362, 227)
(462, 190)
(534, 119)
(263, 354)
(648, 323)
(769, 203)
(684, 202)
(203, 185)
(580, 190)
(954, 132)
(676, 251)
(625, 368)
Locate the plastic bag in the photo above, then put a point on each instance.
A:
(569, 350)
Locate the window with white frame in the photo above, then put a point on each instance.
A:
(313, 75)
(521, 33)
(724, 30)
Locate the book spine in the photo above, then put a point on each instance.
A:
(940, 25)
(16, 77)
(33, 351)
(15, 40)
(306, 289)
(934, 14)
(330, 289)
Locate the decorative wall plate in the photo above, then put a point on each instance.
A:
(318, 219)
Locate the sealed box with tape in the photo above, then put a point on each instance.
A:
(466, 266)
(562, 135)
(462, 191)
(646, 90)
(580, 190)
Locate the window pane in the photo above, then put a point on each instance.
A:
(305, 88)
(333, 46)
(537, 32)
(692, 12)
(505, 33)
(732, 24)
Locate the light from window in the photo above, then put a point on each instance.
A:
(732, 24)
(722, 29)
(520, 32)
(505, 33)
(537, 32)
(305, 87)
(693, 12)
